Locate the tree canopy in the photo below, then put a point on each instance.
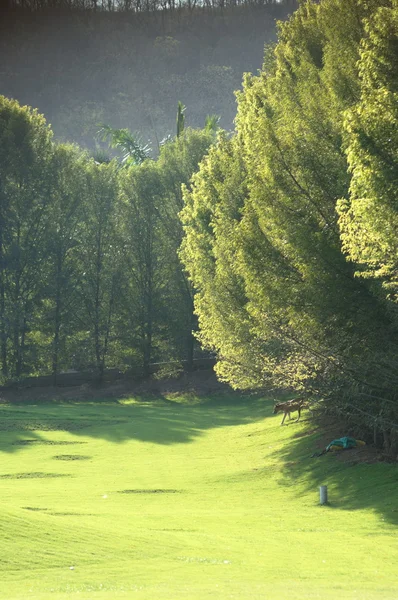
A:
(307, 182)
(89, 267)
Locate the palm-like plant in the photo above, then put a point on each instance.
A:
(132, 148)
(212, 123)
(180, 118)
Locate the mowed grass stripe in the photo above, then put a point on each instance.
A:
(212, 500)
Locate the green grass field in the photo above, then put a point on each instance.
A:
(166, 500)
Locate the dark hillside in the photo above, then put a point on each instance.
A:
(80, 67)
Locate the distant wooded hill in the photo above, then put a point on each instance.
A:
(129, 68)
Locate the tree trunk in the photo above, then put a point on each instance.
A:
(108, 328)
(191, 340)
(3, 333)
(394, 444)
(148, 338)
(57, 317)
(148, 300)
(97, 341)
(21, 349)
(17, 317)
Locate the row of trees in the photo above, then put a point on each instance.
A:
(138, 6)
(89, 272)
(291, 225)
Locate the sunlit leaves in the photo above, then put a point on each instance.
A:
(277, 299)
(369, 219)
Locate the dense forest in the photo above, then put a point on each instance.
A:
(129, 66)
(286, 228)
(89, 270)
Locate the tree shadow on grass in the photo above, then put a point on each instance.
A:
(352, 482)
(149, 419)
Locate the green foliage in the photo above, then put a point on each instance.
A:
(133, 150)
(99, 256)
(212, 123)
(210, 219)
(142, 224)
(368, 218)
(158, 296)
(25, 155)
(277, 301)
(63, 236)
(89, 270)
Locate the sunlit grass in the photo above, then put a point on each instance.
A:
(166, 500)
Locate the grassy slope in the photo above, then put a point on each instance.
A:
(236, 516)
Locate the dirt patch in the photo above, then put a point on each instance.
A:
(155, 491)
(57, 514)
(37, 475)
(69, 514)
(71, 457)
(45, 443)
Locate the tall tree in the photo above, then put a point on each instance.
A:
(100, 257)
(177, 162)
(26, 148)
(69, 188)
(210, 219)
(159, 289)
(142, 235)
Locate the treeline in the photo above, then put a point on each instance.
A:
(138, 6)
(89, 271)
(291, 226)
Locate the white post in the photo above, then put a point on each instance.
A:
(323, 494)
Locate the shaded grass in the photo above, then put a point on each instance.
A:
(351, 485)
(27, 424)
(189, 500)
(34, 475)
